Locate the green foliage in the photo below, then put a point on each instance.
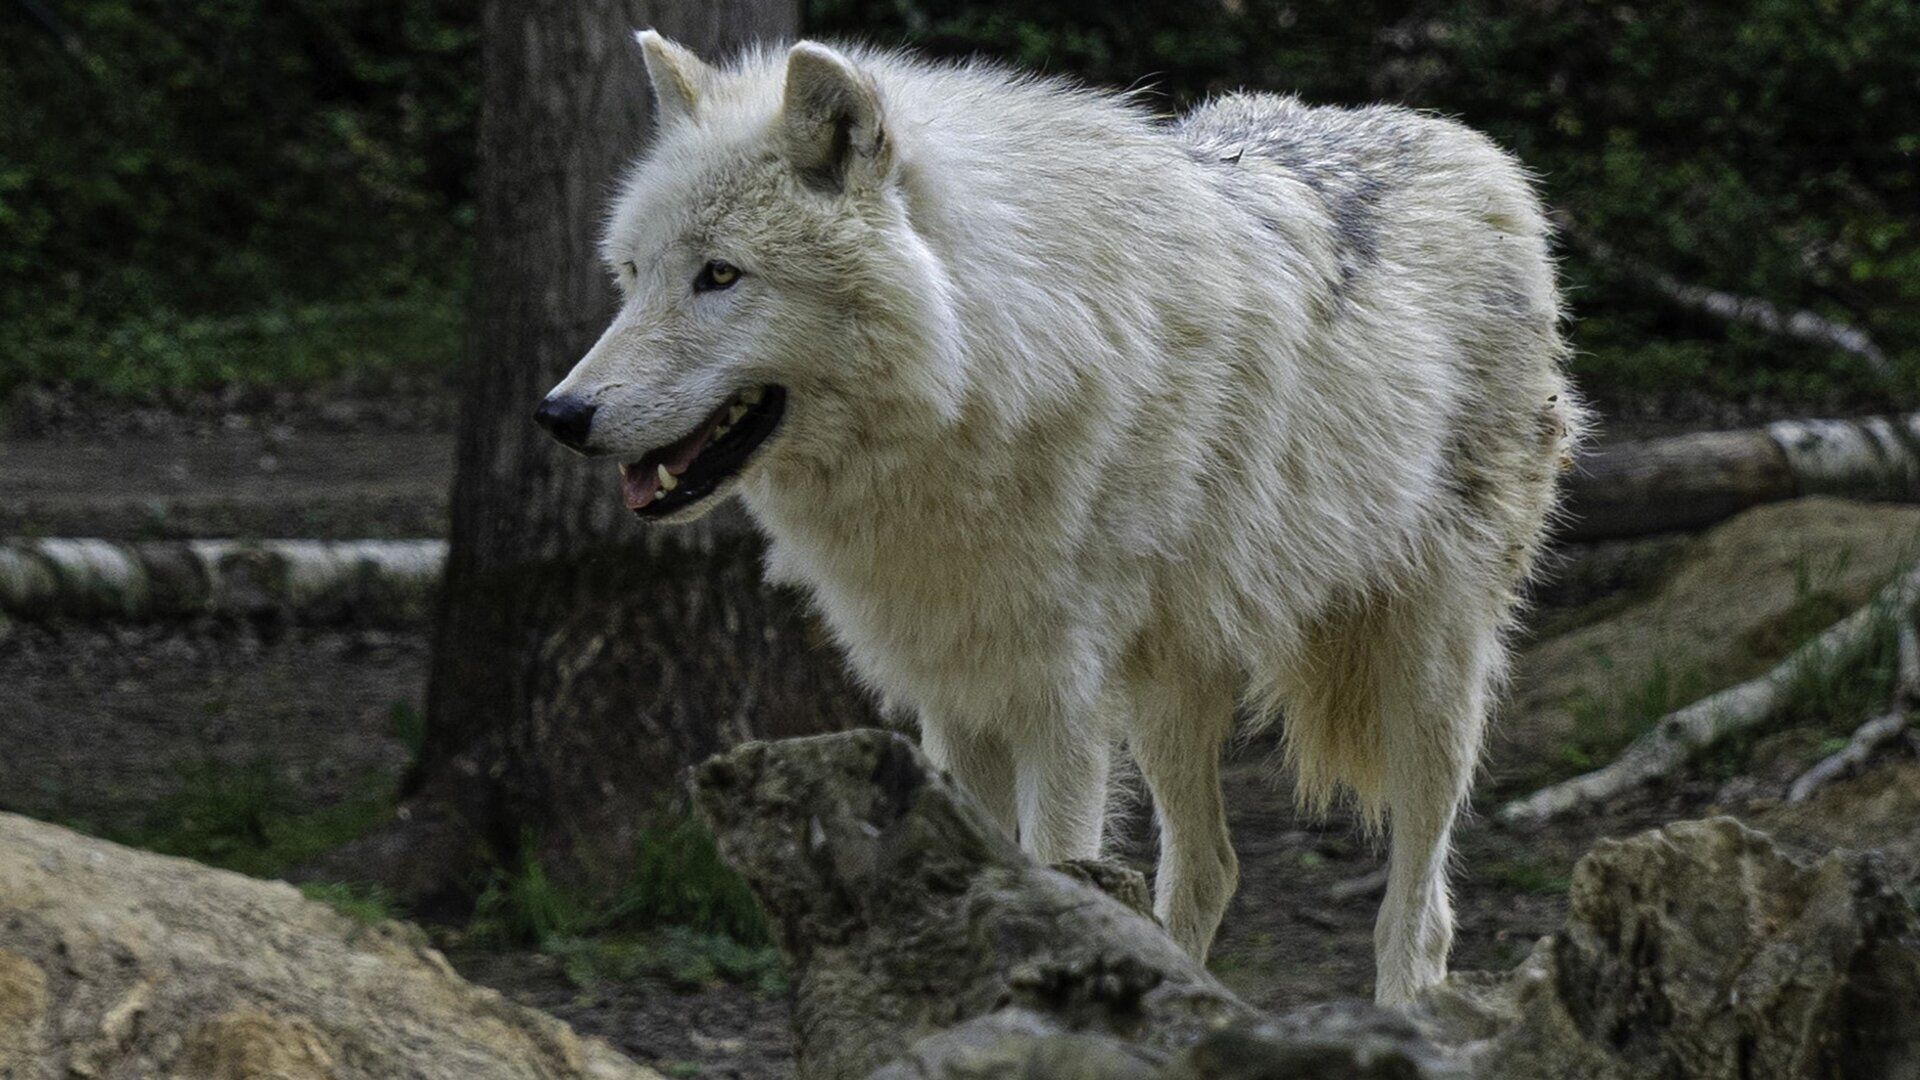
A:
(1838, 690)
(682, 916)
(523, 905)
(408, 726)
(678, 882)
(233, 192)
(1526, 877)
(151, 352)
(250, 192)
(244, 817)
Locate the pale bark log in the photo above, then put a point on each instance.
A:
(1691, 481)
(1681, 734)
(310, 580)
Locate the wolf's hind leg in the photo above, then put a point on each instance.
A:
(1176, 735)
(981, 762)
(1432, 674)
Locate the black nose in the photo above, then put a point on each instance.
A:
(567, 419)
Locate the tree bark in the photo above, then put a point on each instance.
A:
(580, 661)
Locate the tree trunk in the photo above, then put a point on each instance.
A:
(581, 661)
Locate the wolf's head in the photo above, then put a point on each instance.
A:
(777, 303)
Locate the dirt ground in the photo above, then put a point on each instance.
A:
(101, 722)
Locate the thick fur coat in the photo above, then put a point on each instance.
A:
(1099, 430)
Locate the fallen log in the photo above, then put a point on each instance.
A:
(321, 580)
(1691, 481)
(1677, 737)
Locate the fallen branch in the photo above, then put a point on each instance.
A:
(1873, 734)
(323, 579)
(1681, 734)
(1691, 481)
(1763, 315)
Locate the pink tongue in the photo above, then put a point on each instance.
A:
(640, 480)
(681, 454)
(637, 485)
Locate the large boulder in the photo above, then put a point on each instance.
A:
(1700, 951)
(925, 946)
(119, 963)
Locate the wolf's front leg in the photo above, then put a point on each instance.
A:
(1061, 787)
(979, 761)
(1180, 721)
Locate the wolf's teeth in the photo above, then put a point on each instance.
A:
(734, 414)
(667, 482)
(721, 431)
(751, 397)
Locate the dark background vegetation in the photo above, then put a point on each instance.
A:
(252, 193)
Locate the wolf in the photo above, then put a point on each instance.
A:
(1087, 429)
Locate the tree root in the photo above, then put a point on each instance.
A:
(1873, 734)
(1681, 734)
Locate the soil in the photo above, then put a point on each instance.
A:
(99, 720)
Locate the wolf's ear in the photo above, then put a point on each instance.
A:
(678, 76)
(830, 119)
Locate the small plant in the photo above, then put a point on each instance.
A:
(1603, 725)
(245, 817)
(368, 905)
(525, 906)
(408, 726)
(680, 880)
(1526, 877)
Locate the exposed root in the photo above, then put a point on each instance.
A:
(1681, 734)
(1875, 733)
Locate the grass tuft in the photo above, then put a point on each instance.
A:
(369, 905)
(244, 817)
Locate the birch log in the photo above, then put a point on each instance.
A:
(1691, 481)
(365, 580)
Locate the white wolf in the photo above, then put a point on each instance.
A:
(1083, 428)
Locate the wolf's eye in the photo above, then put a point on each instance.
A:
(631, 269)
(716, 275)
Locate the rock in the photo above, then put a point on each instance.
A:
(904, 911)
(1700, 951)
(925, 946)
(117, 963)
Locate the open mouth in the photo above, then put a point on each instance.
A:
(682, 473)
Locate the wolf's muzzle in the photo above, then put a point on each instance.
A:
(567, 419)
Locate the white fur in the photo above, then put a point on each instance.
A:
(1100, 429)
